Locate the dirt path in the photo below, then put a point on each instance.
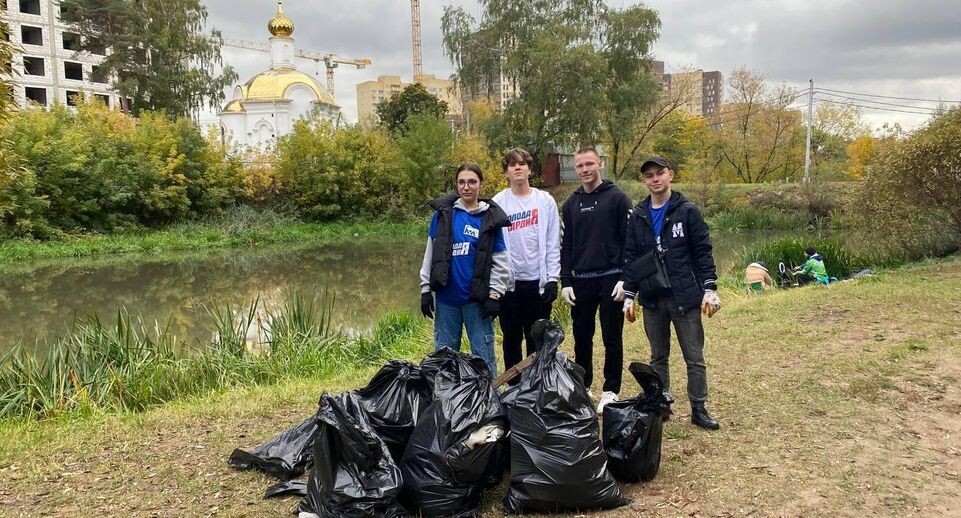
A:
(833, 401)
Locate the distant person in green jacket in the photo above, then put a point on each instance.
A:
(812, 270)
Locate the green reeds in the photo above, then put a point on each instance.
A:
(130, 366)
(839, 261)
(749, 218)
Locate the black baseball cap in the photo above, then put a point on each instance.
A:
(656, 160)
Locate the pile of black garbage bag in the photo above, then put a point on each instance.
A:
(429, 439)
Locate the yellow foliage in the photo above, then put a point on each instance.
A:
(862, 152)
(471, 148)
(479, 111)
(258, 178)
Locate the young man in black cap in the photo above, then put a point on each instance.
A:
(672, 227)
(594, 220)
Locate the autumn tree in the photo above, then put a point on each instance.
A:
(160, 55)
(580, 66)
(630, 142)
(760, 136)
(834, 127)
(862, 153)
(412, 100)
(910, 199)
(6, 70)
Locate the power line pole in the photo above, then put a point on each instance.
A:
(807, 146)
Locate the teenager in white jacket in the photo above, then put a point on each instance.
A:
(534, 245)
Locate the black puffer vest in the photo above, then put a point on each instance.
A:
(493, 220)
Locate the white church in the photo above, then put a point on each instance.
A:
(266, 106)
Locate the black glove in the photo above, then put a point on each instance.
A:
(427, 305)
(492, 307)
(550, 292)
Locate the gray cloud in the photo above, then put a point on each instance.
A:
(888, 47)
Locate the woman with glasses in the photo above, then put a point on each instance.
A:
(467, 265)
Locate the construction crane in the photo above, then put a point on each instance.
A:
(415, 34)
(331, 61)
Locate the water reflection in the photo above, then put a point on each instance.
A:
(39, 302)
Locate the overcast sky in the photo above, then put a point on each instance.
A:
(896, 48)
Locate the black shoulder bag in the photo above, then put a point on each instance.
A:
(650, 274)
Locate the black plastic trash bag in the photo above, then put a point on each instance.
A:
(633, 429)
(394, 399)
(557, 463)
(353, 474)
(451, 364)
(456, 450)
(286, 456)
(291, 487)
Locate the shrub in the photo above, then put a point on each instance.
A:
(21, 209)
(909, 198)
(99, 169)
(332, 173)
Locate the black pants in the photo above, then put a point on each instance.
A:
(519, 310)
(690, 334)
(590, 295)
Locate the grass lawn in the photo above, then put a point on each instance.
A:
(841, 400)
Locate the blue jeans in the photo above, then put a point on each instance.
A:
(449, 321)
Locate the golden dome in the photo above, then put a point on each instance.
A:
(273, 84)
(280, 25)
(234, 106)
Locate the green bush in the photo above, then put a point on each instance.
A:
(330, 173)
(21, 209)
(98, 169)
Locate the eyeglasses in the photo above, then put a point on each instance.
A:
(469, 181)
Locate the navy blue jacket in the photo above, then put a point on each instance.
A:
(688, 252)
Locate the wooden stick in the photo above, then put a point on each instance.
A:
(514, 371)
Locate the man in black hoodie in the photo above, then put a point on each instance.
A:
(594, 222)
(672, 227)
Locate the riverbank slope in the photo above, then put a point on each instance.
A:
(833, 400)
(241, 229)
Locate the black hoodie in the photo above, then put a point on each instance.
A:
(593, 226)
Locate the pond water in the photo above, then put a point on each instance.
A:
(38, 302)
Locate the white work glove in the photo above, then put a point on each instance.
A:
(618, 293)
(484, 435)
(568, 295)
(711, 303)
(628, 310)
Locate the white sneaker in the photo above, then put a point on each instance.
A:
(606, 397)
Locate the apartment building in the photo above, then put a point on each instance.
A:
(370, 93)
(48, 65)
